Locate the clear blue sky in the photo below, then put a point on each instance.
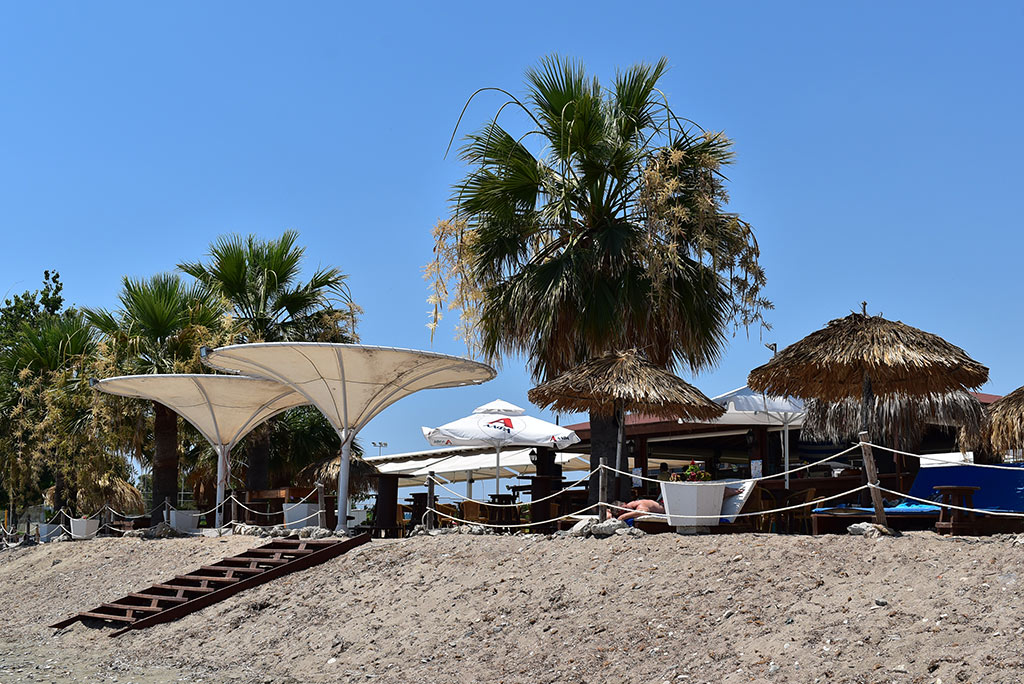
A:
(879, 150)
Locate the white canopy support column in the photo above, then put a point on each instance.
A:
(343, 476)
(223, 473)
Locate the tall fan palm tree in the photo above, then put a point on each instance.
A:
(601, 228)
(270, 303)
(159, 328)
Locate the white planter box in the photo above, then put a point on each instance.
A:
(684, 500)
(294, 514)
(49, 531)
(358, 516)
(84, 528)
(185, 520)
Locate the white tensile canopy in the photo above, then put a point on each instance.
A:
(500, 424)
(743, 404)
(349, 383)
(223, 408)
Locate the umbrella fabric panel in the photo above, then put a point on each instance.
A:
(351, 384)
(500, 430)
(224, 408)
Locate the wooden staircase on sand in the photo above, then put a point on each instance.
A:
(184, 594)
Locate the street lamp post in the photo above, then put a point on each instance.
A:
(380, 447)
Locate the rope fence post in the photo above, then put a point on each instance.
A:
(602, 488)
(167, 510)
(234, 508)
(872, 472)
(431, 501)
(321, 519)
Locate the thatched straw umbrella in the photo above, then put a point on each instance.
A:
(624, 381)
(1006, 422)
(862, 355)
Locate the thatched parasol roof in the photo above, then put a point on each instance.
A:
(1006, 422)
(627, 381)
(900, 421)
(829, 364)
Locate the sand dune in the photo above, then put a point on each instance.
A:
(461, 608)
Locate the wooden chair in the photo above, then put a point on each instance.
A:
(400, 520)
(474, 511)
(764, 501)
(799, 519)
(447, 510)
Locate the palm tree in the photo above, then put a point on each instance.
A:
(46, 361)
(261, 280)
(159, 328)
(602, 228)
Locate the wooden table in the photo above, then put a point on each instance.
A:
(952, 520)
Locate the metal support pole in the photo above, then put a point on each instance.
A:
(602, 488)
(346, 455)
(872, 473)
(430, 500)
(497, 470)
(222, 481)
(321, 504)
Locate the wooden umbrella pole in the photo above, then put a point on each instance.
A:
(867, 404)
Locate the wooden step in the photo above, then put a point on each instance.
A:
(206, 578)
(158, 597)
(283, 551)
(126, 606)
(231, 568)
(104, 616)
(180, 587)
(258, 559)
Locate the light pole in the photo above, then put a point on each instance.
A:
(380, 447)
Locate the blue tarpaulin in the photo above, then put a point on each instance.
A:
(1001, 490)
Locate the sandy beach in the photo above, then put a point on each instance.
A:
(461, 608)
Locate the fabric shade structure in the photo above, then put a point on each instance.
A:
(861, 356)
(784, 410)
(623, 381)
(500, 424)
(223, 408)
(349, 383)
(1006, 422)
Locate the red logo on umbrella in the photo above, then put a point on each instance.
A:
(501, 424)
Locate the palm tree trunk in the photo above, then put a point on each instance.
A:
(257, 476)
(165, 460)
(603, 435)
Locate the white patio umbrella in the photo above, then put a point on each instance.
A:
(784, 411)
(500, 424)
(349, 383)
(223, 408)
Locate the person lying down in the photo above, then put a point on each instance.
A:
(642, 507)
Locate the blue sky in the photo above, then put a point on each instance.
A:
(878, 145)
